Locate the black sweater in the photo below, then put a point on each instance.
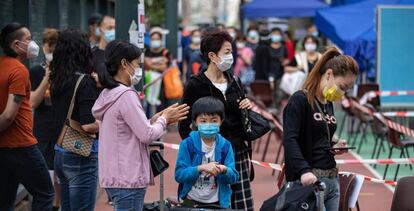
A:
(200, 86)
(305, 136)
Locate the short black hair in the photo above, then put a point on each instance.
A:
(156, 32)
(207, 105)
(115, 51)
(212, 42)
(277, 29)
(95, 19)
(316, 41)
(10, 33)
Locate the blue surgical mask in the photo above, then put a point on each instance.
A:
(315, 33)
(208, 130)
(276, 38)
(110, 35)
(97, 32)
(155, 44)
(253, 34)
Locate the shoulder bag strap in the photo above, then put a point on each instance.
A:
(240, 91)
(72, 102)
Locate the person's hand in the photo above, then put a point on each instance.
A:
(155, 117)
(222, 169)
(245, 104)
(210, 168)
(340, 143)
(308, 179)
(175, 113)
(47, 74)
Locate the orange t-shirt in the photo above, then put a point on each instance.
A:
(14, 79)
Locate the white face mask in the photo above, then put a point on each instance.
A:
(233, 35)
(310, 47)
(32, 49)
(240, 45)
(49, 57)
(136, 78)
(196, 40)
(225, 62)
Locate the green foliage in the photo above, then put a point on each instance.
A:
(155, 12)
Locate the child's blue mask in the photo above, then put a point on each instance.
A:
(208, 130)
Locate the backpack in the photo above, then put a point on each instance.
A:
(295, 197)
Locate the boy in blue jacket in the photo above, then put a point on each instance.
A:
(205, 166)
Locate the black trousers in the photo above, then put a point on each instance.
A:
(28, 167)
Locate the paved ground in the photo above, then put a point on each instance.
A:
(373, 196)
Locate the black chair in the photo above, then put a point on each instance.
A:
(403, 195)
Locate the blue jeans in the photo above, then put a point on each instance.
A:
(27, 166)
(78, 179)
(331, 193)
(127, 199)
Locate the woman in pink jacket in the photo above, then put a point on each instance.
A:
(125, 132)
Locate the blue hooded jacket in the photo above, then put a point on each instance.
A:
(188, 160)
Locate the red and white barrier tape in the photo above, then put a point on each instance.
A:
(369, 95)
(274, 166)
(171, 146)
(346, 103)
(372, 179)
(399, 114)
(264, 164)
(378, 161)
(278, 167)
(396, 126)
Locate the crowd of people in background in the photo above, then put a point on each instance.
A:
(100, 74)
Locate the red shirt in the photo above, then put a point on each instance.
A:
(290, 49)
(14, 79)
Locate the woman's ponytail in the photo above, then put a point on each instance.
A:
(331, 59)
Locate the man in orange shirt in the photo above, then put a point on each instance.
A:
(20, 159)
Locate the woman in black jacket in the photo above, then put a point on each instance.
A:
(309, 124)
(218, 82)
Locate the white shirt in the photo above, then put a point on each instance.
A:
(222, 87)
(205, 189)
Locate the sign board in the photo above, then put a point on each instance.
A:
(395, 53)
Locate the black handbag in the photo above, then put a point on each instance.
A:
(254, 124)
(294, 196)
(158, 164)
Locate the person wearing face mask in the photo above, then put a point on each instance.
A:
(157, 57)
(217, 81)
(106, 32)
(311, 30)
(205, 166)
(43, 119)
(157, 60)
(252, 38)
(262, 62)
(305, 60)
(125, 132)
(243, 67)
(21, 160)
(77, 174)
(278, 54)
(309, 124)
(93, 26)
(190, 49)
